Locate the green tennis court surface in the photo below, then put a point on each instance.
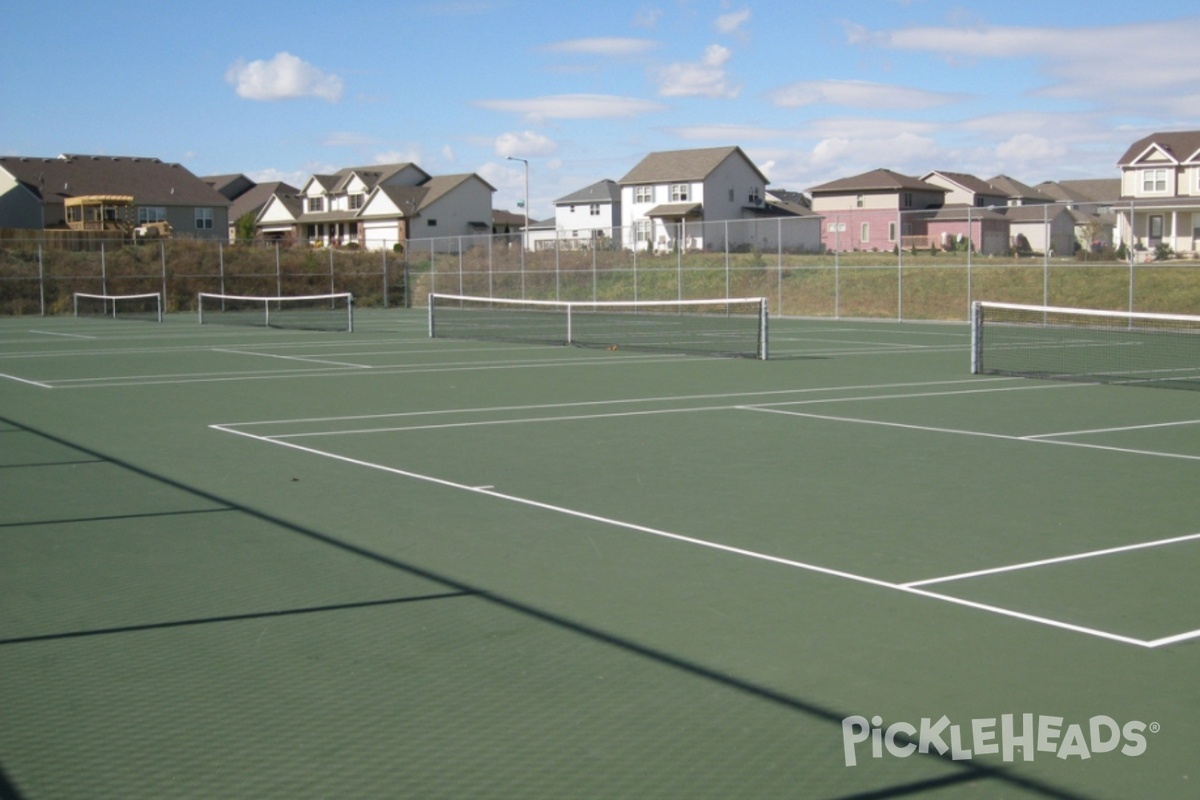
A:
(259, 563)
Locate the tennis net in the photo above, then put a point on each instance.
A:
(726, 327)
(146, 306)
(1085, 344)
(318, 312)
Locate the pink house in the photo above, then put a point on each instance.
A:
(875, 210)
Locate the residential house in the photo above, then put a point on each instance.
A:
(968, 215)
(876, 210)
(785, 222)
(590, 217)
(65, 192)
(246, 197)
(1091, 203)
(1160, 192)
(381, 206)
(1034, 228)
(671, 199)
(1017, 193)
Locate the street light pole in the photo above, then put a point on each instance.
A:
(525, 232)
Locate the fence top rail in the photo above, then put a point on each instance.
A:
(1091, 312)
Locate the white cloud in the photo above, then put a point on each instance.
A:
(1024, 148)
(412, 154)
(857, 94)
(1082, 62)
(347, 139)
(868, 127)
(526, 143)
(573, 106)
(729, 23)
(705, 78)
(726, 133)
(282, 78)
(647, 17)
(602, 46)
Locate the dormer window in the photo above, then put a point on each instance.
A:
(316, 204)
(356, 201)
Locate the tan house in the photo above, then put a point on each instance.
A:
(1160, 193)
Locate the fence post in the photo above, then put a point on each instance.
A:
(332, 283)
(779, 265)
(837, 274)
(383, 253)
(41, 280)
(278, 273)
(679, 260)
(899, 271)
(635, 256)
(103, 272)
(162, 256)
(727, 294)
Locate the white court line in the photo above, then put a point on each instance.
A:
(1057, 560)
(611, 414)
(836, 573)
(1121, 429)
(961, 432)
(626, 401)
(70, 335)
(290, 358)
(181, 378)
(26, 380)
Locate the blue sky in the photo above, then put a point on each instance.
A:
(811, 91)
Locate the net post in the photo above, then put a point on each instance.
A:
(976, 336)
(570, 310)
(431, 297)
(350, 313)
(763, 315)
(200, 308)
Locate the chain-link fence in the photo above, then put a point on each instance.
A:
(810, 267)
(39, 276)
(803, 266)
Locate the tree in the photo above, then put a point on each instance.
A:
(244, 229)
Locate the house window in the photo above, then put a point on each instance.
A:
(316, 204)
(680, 192)
(1156, 227)
(147, 214)
(755, 198)
(907, 200)
(1154, 180)
(891, 231)
(858, 201)
(204, 219)
(357, 201)
(864, 233)
(594, 209)
(433, 223)
(643, 228)
(643, 194)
